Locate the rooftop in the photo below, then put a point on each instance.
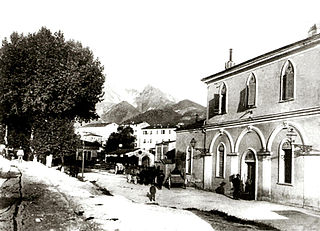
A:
(265, 58)
(96, 125)
(160, 127)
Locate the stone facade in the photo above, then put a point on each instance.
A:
(263, 122)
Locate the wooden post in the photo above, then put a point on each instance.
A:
(82, 169)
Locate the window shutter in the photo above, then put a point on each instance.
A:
(216, 104)
(221, 163)
(290, 85)
(251, 94)
(243, 100)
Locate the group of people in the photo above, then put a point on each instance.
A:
(9, 153)
(147, 176)
(237, 186)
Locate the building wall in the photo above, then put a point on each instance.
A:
(304, 190)
(154, 136)
(307, 79)
(137, 132)
(182, 144)
(162, 148)
(103, 131)
(262, 129)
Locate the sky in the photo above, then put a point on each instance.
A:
(169, 44)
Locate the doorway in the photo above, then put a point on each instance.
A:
(249, 179)
(145, 161)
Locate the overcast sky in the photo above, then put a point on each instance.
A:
(170, 44)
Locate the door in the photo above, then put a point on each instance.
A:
(250, 181)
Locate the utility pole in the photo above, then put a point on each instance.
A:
(82, 169)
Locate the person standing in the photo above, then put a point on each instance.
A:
(160, 179)
(153, 191)
(20, 154)
(236, 182)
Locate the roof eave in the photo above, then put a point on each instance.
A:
(267, 56)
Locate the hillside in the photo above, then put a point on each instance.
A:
(157, 116)
(119, 113)
(150, 105)
(153, 98)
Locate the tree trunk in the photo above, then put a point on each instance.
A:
(62, 159)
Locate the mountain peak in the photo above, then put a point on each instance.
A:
(153, 98)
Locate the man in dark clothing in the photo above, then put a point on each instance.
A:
(153, 191)
(160, 179)
(220, 189)
(236, 182)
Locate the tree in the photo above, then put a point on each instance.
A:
(123, 136)
(56, 137)
(44, 77)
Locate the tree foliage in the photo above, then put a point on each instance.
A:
(44, 75)
(56, 137)
(123, 137)
(44, 79)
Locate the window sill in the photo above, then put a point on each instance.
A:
(285, 184)
(286, 100)
(220, 177)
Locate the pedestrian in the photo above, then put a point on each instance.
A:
(160, 179)
(152, 191)
(236, 182)
(220, 189)
(20, 154)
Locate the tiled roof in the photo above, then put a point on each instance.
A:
(96, 125)
(159, 127)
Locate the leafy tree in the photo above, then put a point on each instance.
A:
(43, 77)
(123, 136)
(57, 137)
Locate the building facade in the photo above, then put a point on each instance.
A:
(137, 132)
(101, 131)
(153, 135)
(263, 122)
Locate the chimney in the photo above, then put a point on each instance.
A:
(230, 63)
(315, 29)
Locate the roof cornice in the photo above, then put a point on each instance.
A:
(265, 58)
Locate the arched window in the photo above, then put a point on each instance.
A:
(220, 160)
(285, 163)
(223, 99)
(287, 81)
(189, 160)
(251, 91)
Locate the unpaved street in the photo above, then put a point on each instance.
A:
(46, 199)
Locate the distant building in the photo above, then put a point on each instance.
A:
(262, 123)
(91, 137)
(98, 131)
(162, 150)
(153, 135)
(89, 150)
(137, 132)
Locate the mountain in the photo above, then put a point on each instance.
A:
(149, 98)
(150, 105)
(109, 99)
(185, 111)
(157, 116)
(130, 96)
(152, 98)
(119, 113)
(189, 110)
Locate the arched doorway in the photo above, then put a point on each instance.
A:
(145, 161)
(249, 175)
